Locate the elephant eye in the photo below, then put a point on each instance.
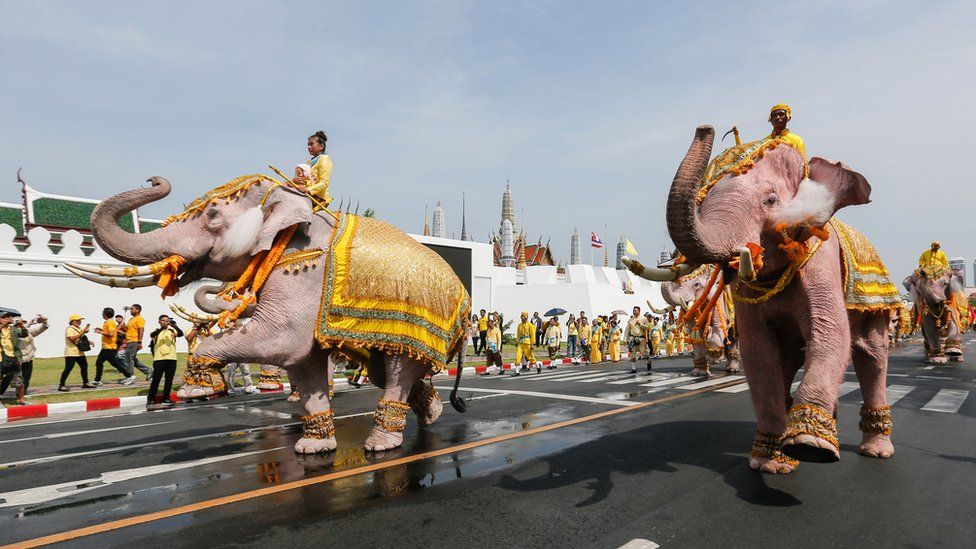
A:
(212, 213)
(771, 200)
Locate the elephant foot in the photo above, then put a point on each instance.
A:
(389, 421)
(700, 372)
(811, 434)
(426, 403)
(315, 445)
(318, 433)
(937, 359)
(268, 386)
(876, 426)
(733, 367)
(380, 440)
(956, 358)
(191, 392)
(766, 456)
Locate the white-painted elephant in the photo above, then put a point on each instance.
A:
(318, 281)
(938, 292)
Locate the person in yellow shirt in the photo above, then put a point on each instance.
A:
(525, 339)
(494, 342)
(614, 345)
(585, 334)
(596, 342)
(779, 115)
(11, 357)
(482, 332)
(317, 186)
(933, 256)
(655, 337)
(72, 354)
(134, 331)
(572, 337)
(163, 345)
(110, 346)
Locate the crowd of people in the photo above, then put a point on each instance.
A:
(581, 339)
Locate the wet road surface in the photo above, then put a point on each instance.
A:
(576, 457)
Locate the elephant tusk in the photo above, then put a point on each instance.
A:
(655, 274)
(128, 272)
(747, 271)
(657, 311)
(113, 282)
(191, 316)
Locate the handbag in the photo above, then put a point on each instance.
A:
(84, 344)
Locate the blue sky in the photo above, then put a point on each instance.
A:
(586, 107)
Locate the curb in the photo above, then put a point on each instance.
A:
(33, 411)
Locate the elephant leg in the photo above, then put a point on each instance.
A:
(390, 418)
(699, 360)
(425, 402)
(318, 429)
(765, 379)
(733, 365)
(934, 352)
(811, 428)
(870, 352)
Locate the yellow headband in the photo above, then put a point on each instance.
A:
(781, 107)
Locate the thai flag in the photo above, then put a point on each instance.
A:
(595, 240)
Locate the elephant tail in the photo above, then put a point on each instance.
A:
(456, 401)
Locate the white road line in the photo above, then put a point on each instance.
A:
(710, 382)
(897, 392)
(943, 378)
(42, 494)
(540, 376)
(947, 401)
(606, 378)
(567, 377)
(639, 543)
(897, 375)
(930, 367)
(87, 432)
(672, 381)
(644, 378)
(555, 396)
(847, 387)
(742, 387)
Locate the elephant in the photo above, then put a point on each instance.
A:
(686, 290)
(938, 290)
(224, 236)
(765, 219)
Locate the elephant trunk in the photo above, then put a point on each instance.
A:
(694, 240)
(138, 249)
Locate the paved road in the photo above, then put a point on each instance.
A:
(577, 457)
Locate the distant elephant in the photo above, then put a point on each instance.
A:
(939, 291)
(224, 236)
(718, 341)
(795, 311)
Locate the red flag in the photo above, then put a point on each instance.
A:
(595, 240)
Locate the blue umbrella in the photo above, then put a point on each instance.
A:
(555, 312)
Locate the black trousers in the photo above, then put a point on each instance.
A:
(112, 356)
(484, 342)
(161, 368)
(28, 369)
(69, 364)
(540, 337)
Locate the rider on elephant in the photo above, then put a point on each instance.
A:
(933, 256)
(779, 115)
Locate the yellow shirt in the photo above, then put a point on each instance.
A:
(109, 330)
(7, 342)
(165, 348)
(526, 332)
(494, 335)
(483, 324)
(792, 140)
(132, 330)
(929, 258)
(636, 326)
(71, 347)
(571, 329)
(321, 175)
(597, 337)
(584, 332)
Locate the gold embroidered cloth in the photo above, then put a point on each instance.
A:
(867, 284)
(385, 291)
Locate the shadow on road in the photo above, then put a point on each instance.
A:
(657, 448)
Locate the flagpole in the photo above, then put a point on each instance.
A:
(591, 247)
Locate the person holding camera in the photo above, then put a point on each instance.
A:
(162, 343)
(10, 356)
(28, 331)
(76, 343)
(110, 348)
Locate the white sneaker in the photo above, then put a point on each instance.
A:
(129, 380)
(252, 390)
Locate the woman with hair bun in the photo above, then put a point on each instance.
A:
(317, 185)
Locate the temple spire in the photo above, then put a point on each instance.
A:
(464, 229)
(426, 224)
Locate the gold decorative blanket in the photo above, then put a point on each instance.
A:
(385, 291)
(867, 284)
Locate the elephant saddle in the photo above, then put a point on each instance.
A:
(385, 291)
(867, 284)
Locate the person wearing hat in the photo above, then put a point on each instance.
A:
(10, 355)
(72, 354)
(525, 339)
(933, 256)
(28, 331)
(779, 115)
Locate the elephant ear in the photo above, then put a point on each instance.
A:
(282, 209)
(844, 186)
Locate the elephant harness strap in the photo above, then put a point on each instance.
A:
(246, 288)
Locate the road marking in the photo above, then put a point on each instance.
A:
(897, 392)
(941, 378)
(51, 492)
(947, 401)
(672, 381)
(538, 376)
(847, 387)
(567, 377)
(555, 396)
(742, 387)
(639, 543)
(931, 367)
(606, 378)
(643, 378)
(311, 481)
(87, 432)
(710, 382)
(897, 375)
